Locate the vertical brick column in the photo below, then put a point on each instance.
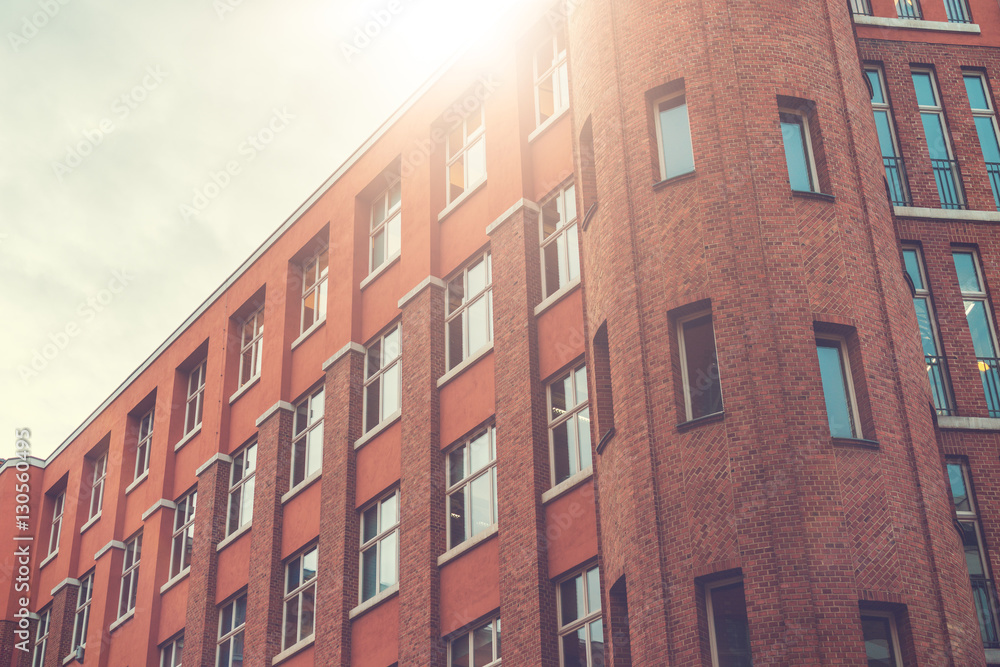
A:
(338, 520)
(264, 595)
(421, 527)
(61, 623)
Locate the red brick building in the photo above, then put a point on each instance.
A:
(700, 369)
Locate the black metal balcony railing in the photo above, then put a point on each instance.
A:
(985, 595)
(993, 169)
(895, 178)
(862, 7)
(908, 9)
(957, 11)
(946, 177)
(937, 374)
(989, 372)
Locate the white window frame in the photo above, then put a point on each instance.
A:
(809, 148)
(246, 480)
(564, 198)
(376, 542)
(175, 646)
(924, 294)
(468, 635)
(578, 406)
(938, 109)
(886, 107)
(318, 265)
(589, 617)
(556, 71)
(128, 594)
(385, 364)
(183, 532)
(302, 437)
(41, 637)
(97, 487)
(231, 634)
(897, 648)
(81, 619)
(462, 311)
(674, 99)
(58, 508)
(981, 295)
(709, 587)
(194, 410)
(254, 346)
(685, 373)
(848, 371)
(469, 140)
(989, 111)
(297, 593)
(391, 213)
(143, 443)
(465, 484)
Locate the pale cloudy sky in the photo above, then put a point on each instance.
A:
(115, 112)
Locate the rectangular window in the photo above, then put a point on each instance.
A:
(195, 398)
(798, 151)
(300, 598)
(983, 587)
(943, 161)
(957, 11)
(466, 153)
(984, 116)
(979, 316)
(699, 366)
(386, 225)
(379, 546)
(569, 424)
(241, 486)
(232, 622)
(908, 9)
(895, 170)
(862, 7)
(581, 628)
(551, 78)
(838, 387)
(937, 370)
(183, 539)
(383, 382)
(673, 136)
(728, 625)
(472, 487)
(559, 241)
(251, 346)
(307, 437)
(314, 274)
(145, 438)
(170, 653)
(130, 576)
(41, 637)
(82, 618)
(97, 486)
(58, 506)
(881, 639)
(479, 647)
(469, 310)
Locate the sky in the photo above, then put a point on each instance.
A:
(117, 122)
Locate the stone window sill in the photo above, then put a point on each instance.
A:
(187, 438)
(969, 423)
(674, 179)
(48, 559)
(916, 24)
(557, 296)
(90, 522)
(450, 208)
(856, 442)
(807, 194)
(462, 367)
(121, 621)
(244, 389)
(374, 433)
(313, 328)
(547, 123)
(368, 605)
(945, 214)
(468, 545)
(139, 480)
(294, 648)
(567, 485)
(698, 421)
(383, 267)
(176, 580)
(302, 486)
(229, 539)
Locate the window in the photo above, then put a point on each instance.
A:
(798, 151)
(957, 11)
(581, 628)
(862, 7)
(979, 317)
(314, 273)
(908, 9)
(385, 225)
(383, 382)
(551, 78)
(673, 136)
(881, 639)
(967, 517)
(241, 485)
(559, 241)
(232, 621)
(170, 653)
(82, 618)
(981, 104)
(838, 387)
(728, 625)
(699, 366)
(379, 546)
(938, 146)
(300, 597)
(41, 637)
(466, 154)
(469, 310)
(307, 434)
(183, 540)
(97, 487)
(937, 371)
(130, 576)
(251, 347)
(472, 487)
(569, 425)
(479, 647)
(195, 399)
(58, 506)
(895, 171)
(143, 443)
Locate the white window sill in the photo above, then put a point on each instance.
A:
(946, 214)
(121, 621)
(547, 123)
(90, 522)
(993, 656)
(468, 545)
(138, 480)
(71, 657)
(916, 24)
(557, 296)
(308, 332)
(383, 267)
(374, 602)
(302, 486)
(187, 438)
(969, 423)
(237, 534)
(383, 425)
(469, 361)
(460, 200)
(294, 648)
(567, 485)
(48, 559)
(245, 388)
(176, 580)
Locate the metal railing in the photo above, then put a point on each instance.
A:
(895, 178)
(908, 9)
(993, 169)
(946, 177)
(937, 374)
(862, 7)
(985, 595)
(957, 11)
(989, 372)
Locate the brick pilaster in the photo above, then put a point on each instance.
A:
(61, 625)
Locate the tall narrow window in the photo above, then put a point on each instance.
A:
(569, 425)
(145, 438)
(130, 576)
(170, 653)
(307, 437)
(957, 11)
(581, 628)
(58, 506)
(300, 597)
(983, 587)
(984, 116)
(379, 546)
(241, 488)
(551, 78)
(314, 275)
(469, 310)
(472, 487)
(673, 136)
(232, 623)
(943, 161)
(798, 151)
(560, 243)
(480, 647)
(466, 153)
(881, 639)
(838, 387)
(699, 366)
(895, 170)
(252, 337)
(728, 625)
(979, 317)
(183, 539)
(195, 398)
(937, 369)
(41, 637)
(908, 9)
(385, 225)
(81, 620)
(861, 7)
(383, 382)
(97, 486)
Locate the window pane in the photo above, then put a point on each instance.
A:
(704, 388)
(965, 267)
(583, 434)
(478, 278)
(309, 564)
(924, 88)
(970, 543)
(369, 524)
(573, 252)
(574, 647)
(315, 450)
(308, 611)
(987, 138)
(298, 461)
(456, 516)
(550, 254)
(676, 134)
(926, 329)
(387, 564)
(732, 630)
(456, 466)
(912, 264)
(378, 249)
(291, 621)
(572, 600)
(455, 342)
(874, 80)
(460, 652)
(479, 325)
(372, 408)
(959, 493)
(240, 611)
(477, 161)
(979, 327)
(796, 158)
(560, 392)
(390, 391)
(546, 97)
(482, 646)
(390, 512)
(369, 573)
(479, 452)
(878, 641)
(934, 132)
(247, 510)
(456, 294)
(550, 217)
(563, 452)
(838, 409)
(393, 233)
(884, 131)
(593, 590)
(597, 643)
(977, 96)
(456, 178)
(482, 503)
